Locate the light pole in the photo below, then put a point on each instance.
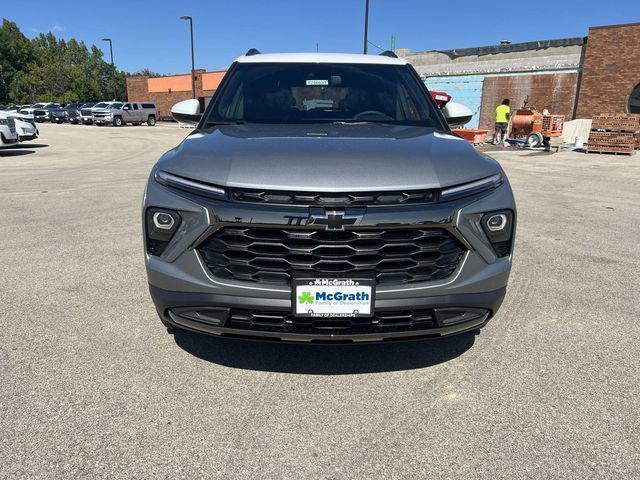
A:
(112, 65)
(366, 26)
(193, 66)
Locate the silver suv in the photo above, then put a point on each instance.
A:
(121, 113)
(322, 197)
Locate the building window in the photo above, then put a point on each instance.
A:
(634, 100)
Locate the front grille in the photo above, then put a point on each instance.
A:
(334, 199)
(394, 256)
(285, 322)
(40, 113)
(85, 113)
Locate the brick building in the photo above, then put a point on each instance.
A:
(576, 77)
(167, 91)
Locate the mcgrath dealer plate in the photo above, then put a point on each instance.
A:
(333, 297)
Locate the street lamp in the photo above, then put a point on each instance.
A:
(366, 25)
(193, 67)
(111, 53)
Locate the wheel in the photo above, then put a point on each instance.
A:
(534, 140)
(151, 121)
(117, 121)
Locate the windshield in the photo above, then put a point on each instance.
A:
(317, 93)
(38, 105)
(116, 106)
(101, 105)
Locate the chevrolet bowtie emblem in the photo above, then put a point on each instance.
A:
(335, 219)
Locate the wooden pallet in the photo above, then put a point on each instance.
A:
(614, 152)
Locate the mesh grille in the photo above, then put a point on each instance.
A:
(391, 321)
(394, 256)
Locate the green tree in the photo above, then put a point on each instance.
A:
(16, 52)
(51, 69)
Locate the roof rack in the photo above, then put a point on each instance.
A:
(252, 51)
(389, 53)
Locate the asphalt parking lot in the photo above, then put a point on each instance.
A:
(91, 386)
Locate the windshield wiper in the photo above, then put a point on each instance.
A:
(234, 122)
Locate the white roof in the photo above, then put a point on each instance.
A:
(320, 58)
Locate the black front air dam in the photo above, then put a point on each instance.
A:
(165, 300)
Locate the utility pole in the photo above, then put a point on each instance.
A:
(193, 62)
(366, 25)
(115, 93)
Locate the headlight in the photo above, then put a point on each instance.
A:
(181, 183)
(471, 188)
(4, 121)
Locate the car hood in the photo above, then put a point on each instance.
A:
(327, 157)
(101, 110)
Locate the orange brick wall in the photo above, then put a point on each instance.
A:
(167, 91)
(553, 91)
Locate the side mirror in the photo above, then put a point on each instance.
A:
(457, 114)
(187, 111)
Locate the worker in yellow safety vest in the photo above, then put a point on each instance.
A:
(503, 113)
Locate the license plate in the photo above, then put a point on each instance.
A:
(333, 297)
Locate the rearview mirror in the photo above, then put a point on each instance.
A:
(187, 111)
(457, 114)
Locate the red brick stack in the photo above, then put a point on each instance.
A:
(614, 133)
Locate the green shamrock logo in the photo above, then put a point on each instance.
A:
(305, 298)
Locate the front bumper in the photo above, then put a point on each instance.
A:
(179, 280)
(102, 120)
(177, 308)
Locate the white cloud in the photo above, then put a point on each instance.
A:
(57, 28)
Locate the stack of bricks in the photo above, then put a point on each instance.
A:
(614, 133)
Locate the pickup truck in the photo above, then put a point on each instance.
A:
(120, 113)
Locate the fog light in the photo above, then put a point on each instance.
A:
(161, 225)
(499, 229)
(498, 222)
(163, 221)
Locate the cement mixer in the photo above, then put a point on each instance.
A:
(535, 127)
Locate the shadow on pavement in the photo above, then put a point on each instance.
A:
(323, 359)
(5, 152)
(30, 145)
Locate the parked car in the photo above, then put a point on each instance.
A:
(86, 113)
(86, 116)
(29, 109)
(8, 131)
(323, 197)
(121, 113)
(58, 114)
(25, 126)
(44, 114)
(72, 112)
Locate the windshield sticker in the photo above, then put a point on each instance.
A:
(317, 82)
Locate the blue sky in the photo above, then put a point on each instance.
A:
(150, 33)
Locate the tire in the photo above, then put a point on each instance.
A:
(117, 121)
(534, 140)
(151, 121)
